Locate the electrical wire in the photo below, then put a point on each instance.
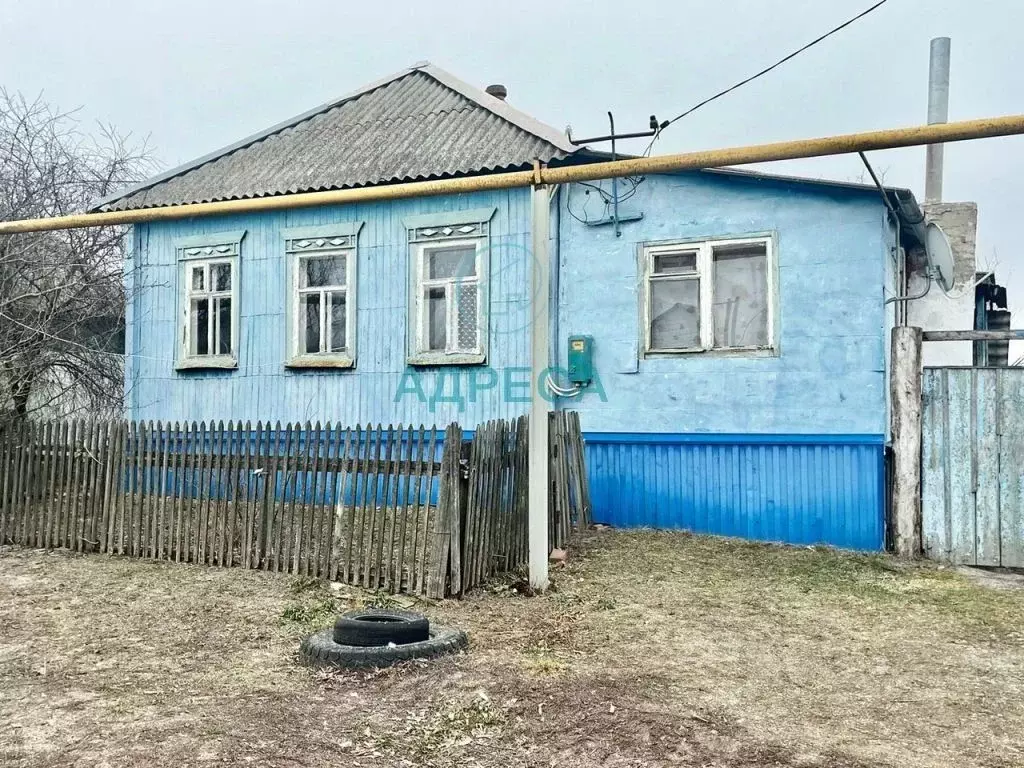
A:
(764, 71)
(575, 391)
(607, 197)
(568, 207)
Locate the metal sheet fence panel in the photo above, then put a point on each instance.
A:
(973, 465)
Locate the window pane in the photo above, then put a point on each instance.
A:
(451, 262)
(741, 296)
(221, 277)
(309, 319)
(323, 271)
(199, 327)
(198, 282)
(675, 314)
(223, 326)
(337, 322)
(466, 321)
(675, 263)
(437, 336)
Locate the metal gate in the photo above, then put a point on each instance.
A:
(972, 494)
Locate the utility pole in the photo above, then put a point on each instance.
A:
(540, 276)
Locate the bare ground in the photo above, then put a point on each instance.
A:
(655, 649)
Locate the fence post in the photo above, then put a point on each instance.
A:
(905, 415)
(444, 540)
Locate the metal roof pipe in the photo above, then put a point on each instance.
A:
(1011, 125)
(938, 112)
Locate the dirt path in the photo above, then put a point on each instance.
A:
(656, 649)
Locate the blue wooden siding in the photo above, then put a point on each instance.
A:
(798, 489)
(262, 388)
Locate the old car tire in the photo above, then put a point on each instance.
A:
(320, 650)
(374, 626)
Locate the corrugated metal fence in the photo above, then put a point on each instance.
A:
(973, 465)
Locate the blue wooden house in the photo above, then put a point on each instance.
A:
(737, 320)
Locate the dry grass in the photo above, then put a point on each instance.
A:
(655, 649)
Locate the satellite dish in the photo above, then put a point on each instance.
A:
(940, 255)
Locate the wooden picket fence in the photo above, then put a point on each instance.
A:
(398, 508)
(494, 497)
(569, 503)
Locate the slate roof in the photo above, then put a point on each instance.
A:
(420, 123)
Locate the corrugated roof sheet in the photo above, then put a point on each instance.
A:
(421, 123)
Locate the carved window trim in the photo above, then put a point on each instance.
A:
(206, 252)
(327, 240)
(430, 232)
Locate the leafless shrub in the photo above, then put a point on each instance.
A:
(62, 294)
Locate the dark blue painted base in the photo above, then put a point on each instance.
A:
(799, 489)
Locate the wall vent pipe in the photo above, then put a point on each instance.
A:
(938, 112)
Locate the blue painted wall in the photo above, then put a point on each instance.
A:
(829, 375)
(820, 403)
(262, 388)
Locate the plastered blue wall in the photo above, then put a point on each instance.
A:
(828, 377)
(262, 388)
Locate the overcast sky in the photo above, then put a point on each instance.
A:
(194, 75)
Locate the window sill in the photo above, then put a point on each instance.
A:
(731, 352)
(219, 363)
(316, 362)
(442, 358)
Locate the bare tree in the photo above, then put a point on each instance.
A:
(62, 294)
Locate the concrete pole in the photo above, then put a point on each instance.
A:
(905, 395)
(540, 275)
(938, 112)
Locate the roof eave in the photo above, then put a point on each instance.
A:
(484, 99)
(251, 139)
(501, 108)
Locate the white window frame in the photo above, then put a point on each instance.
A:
(206, 251)
(451, 286)
(340, 239)
(442, 231)
(704, 249)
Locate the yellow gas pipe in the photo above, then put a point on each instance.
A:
(716, 158)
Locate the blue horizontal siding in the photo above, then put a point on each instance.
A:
(798, 489)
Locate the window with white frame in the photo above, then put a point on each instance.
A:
(450, 311)
(448, 287)
(209, 300)
(322, 303)
(710, 295)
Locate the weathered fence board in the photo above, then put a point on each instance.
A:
(398, 508)
(973, 465)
